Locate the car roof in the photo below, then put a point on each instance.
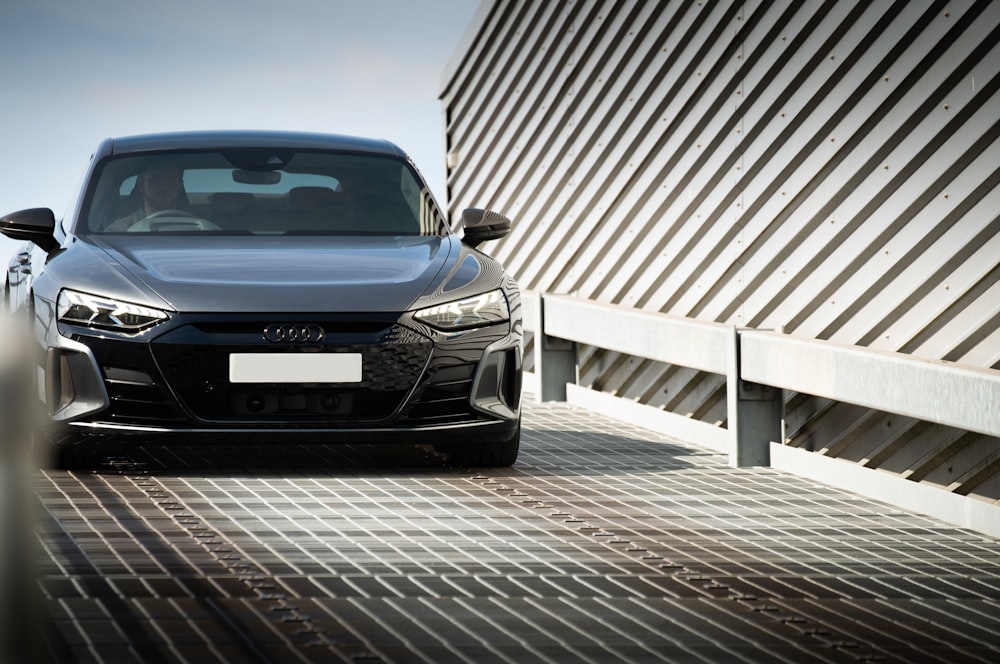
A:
(247, 139)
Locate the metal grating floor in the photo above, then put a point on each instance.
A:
(605, 543)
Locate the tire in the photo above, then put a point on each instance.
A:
(496, 453)
(76, 452)
(54, 449)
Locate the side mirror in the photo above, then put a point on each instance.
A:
(37, 225)
(483, 225)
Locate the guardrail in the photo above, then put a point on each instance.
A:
(758, 366)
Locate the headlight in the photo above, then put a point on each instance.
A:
(486, 309)
(105, 313)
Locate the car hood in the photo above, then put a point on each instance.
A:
(215, 273)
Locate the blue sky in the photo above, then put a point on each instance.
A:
(74, 73)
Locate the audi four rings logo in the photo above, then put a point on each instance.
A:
(294, 333)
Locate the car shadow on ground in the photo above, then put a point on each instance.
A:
(547, 450)
(261, 459)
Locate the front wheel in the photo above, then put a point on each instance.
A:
(489, 453)
(54, 448)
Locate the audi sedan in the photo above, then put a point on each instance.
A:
(267, 287)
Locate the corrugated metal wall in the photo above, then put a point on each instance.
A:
(829, 168)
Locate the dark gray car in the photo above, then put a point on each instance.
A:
(269, 287)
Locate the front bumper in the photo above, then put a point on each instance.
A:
(173, 380)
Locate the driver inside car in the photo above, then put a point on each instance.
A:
(161, 187)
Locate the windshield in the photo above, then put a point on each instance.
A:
(261, 192)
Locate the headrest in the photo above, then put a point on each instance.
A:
(231, 201)
(310, 197)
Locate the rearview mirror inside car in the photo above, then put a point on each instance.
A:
(243, 176)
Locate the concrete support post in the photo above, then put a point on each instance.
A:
(555, 360)
(756, 414)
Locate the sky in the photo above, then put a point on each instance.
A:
(75, 73)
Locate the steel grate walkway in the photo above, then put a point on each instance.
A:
(605, 543)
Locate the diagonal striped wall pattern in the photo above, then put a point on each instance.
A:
(827, 168)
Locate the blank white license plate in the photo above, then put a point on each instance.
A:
(295, 368)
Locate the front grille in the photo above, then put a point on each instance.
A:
(197, 370)
(252, 328)
(180, 379)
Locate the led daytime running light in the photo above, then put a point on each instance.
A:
(101, 312)
(486, 309)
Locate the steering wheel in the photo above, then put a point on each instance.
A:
(172, 220)
(171, 212)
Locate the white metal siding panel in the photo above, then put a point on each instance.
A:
(829, 168)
